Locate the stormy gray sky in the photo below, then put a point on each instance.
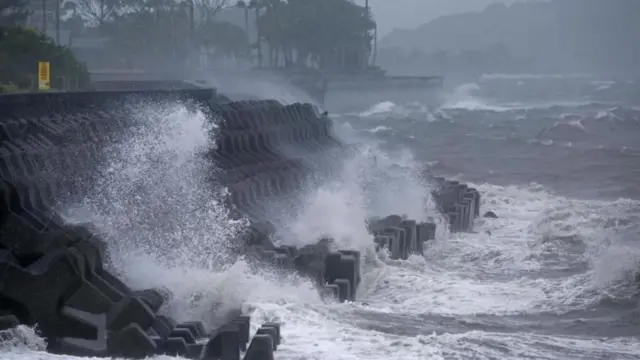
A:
(392, 14)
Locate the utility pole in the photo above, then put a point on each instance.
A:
(258, 41)
(366, 7)
(192, 21)
(375, 35)
(44, 17)
(246, 30)
(58, 22)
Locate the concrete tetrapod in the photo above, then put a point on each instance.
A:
(263, 151)
(82, 309)
(338, 273)
(51, 273)
(459, 202)
(90, 324)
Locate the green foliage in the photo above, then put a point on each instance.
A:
(226, 37)
(9, 88)
(144, 38)
(20, 51)
(12, 12)
(314, 31)
(158, 33)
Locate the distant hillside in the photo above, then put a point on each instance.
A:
(595, 36)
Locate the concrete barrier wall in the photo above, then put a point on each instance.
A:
(265, 149)
(53, 274)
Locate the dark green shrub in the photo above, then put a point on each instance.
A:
(20, 51)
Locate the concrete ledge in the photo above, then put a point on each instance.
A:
(35, 104)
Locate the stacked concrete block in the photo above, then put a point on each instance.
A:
(265, 341)
(266, 150)
(337, 273)
(82, 309)
(230, 341)
(458, 202)
(401, 237)
(342, 274)
(55, 275)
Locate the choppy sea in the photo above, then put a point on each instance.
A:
(556, 276)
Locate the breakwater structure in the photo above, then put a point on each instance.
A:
(56, 276)
(372, 87)
(362, 88)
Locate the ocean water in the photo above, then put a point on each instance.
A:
(556, 276)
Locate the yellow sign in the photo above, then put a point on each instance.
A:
(44, 75)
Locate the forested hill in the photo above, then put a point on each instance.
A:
(596, 36)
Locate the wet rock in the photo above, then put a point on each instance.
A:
(8, 322)
(310, 259)
(490, 215)
(376, 225)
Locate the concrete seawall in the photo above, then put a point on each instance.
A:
(56, 275)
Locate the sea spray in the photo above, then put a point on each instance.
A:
(21, 339)
(370, 182)
(161, 213)
(467, 97)
(244, 85)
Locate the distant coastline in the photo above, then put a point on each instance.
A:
(569, 36)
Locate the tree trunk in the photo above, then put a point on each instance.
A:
(246, 28)
(258, 42)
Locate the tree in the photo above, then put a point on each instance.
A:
(209, 8)
(20, 51)
(241, 4)
(74, 22)
(328, 34)
(13, 12)
(166, 33)
(95, 12)
(227, 39)
(152, 34)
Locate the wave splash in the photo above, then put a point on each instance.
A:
(546, 254)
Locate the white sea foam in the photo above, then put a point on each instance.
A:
(522, 263)
(380, 108)
(163, 216)
(466, 97)
(504, 272)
